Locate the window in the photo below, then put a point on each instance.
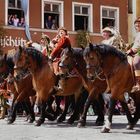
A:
(82, 17)
(52, 14)
(109, 17)
(15, 13)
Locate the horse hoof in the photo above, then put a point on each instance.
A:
(31, 120)
(130, 127)
(70, 121)
(99, 123)
(105, 130)
(50, 117)
(10, 121)
(39, 122)
(81, 124)
(61, 119)
(27, 118)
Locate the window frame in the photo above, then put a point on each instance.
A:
(117, 21)
(61, 16)
(90, 16)
(6, 15)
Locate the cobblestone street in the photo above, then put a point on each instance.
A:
(21, 130)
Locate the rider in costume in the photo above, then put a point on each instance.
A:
(44, 42)
(113, 37)
(61, 42)
(135, 52)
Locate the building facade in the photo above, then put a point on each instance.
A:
(29, 19)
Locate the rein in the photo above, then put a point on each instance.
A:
(98, 72)
(68, 66)
(18, 77)
(113, 70)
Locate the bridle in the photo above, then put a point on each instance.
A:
(26, 63)
(68, 66)
(98, 69)
(98, 72)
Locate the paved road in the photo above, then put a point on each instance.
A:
(21, 130)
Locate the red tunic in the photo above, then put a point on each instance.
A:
(62, 43)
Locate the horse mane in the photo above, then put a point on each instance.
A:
(105, 50)
(9, 62)
(35, 54)
(77, 52)
(77, 56)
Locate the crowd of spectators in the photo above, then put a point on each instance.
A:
(13, 20)
(51, 23)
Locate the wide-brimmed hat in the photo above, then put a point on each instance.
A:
(46, 37)
(107, 29)
(137, 20)
(64, 29)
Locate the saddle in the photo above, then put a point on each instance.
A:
(130, 61)
(58, 70)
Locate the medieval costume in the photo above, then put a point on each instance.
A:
(61, 43)
(135, 52)
(113, 38)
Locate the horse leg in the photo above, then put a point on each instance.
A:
(58, 109)
(52, 113)
(131, 123)
(62, 117)
(107, 126)
(26, 109)
(88, 99)
(12, 116)
(98, 105)
(136, 98)
(30, 111)
(82, 121)
(49, 105)
(136, 114)
(27, 104)
(49, 112)
(78, 108)
(42, 114)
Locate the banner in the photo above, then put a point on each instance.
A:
(24, 5)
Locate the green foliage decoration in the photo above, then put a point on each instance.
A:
(81, 38)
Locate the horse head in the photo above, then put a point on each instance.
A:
(3, 65)
(93, 61)
(20, 58)
(67, 61)
(6, 65)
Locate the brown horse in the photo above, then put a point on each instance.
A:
(43, 77)
(20, 85)
(22, 88)
(72, 58)
(116, 69)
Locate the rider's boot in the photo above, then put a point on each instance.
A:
(137, 86)
(57, 87)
